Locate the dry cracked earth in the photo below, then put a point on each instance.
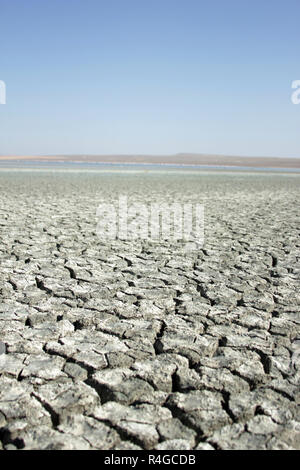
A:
(110, 344)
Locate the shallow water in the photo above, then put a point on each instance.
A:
(100, 166)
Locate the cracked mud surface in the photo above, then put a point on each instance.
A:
(139, 345)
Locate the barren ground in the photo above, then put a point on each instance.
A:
(130, 345)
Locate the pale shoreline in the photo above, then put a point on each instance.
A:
(178, 159)
(75, 166)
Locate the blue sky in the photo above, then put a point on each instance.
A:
(150, 76)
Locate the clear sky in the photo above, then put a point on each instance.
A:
(150, 76)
